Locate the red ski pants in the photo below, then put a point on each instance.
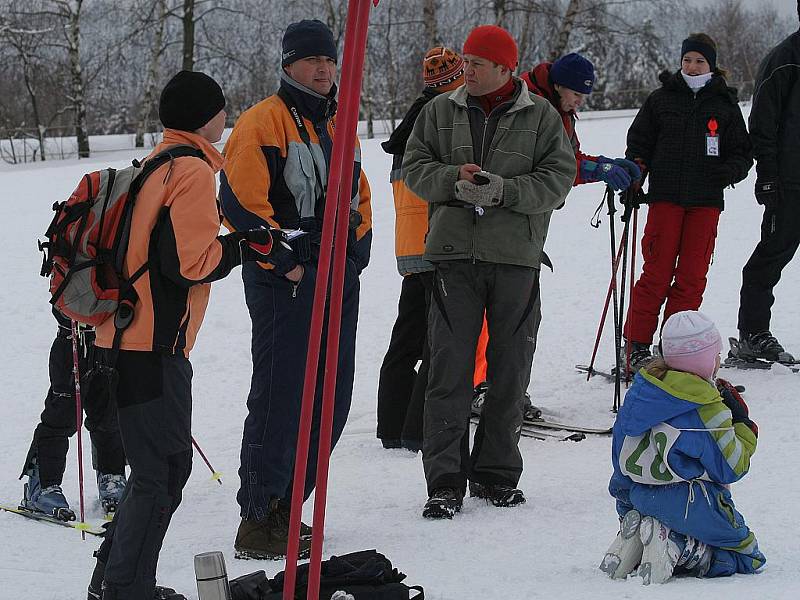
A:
(676, 247)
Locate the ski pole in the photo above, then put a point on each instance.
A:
(633, 273)
(604, 313)
(78, 416)
(346, 127)
(215, 475)
(624, 243)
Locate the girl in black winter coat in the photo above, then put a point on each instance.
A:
(691, 138)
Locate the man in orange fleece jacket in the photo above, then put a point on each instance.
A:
(175, 233)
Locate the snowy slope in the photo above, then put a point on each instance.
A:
(548, 548)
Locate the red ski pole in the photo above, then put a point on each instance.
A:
(78, 416)
(320, 292)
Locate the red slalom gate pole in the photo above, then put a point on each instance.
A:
(344, 145)
(78, 416)
(320, 290)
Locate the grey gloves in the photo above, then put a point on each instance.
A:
(487, 193)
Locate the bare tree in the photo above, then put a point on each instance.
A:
(560, 46)
(26, 44)
(159, 18)
(69, 12)
(429, 16)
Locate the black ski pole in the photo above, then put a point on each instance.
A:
(619, 333)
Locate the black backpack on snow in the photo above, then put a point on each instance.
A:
(366, 575)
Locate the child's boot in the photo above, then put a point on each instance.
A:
(661, 552)
(625, 551)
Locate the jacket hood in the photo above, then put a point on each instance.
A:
(673, 81)
(175, 137)
(396, 144)
(651, 401)
(538, 80)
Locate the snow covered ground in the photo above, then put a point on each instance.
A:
(548, 548)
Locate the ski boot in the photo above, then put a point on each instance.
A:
(443, 503)
(625, 552)
(110, 488)
(667, 553)
(639, 357)
(529, 411)
(762, 345)
(478, 397)
(501, 495)
(49, 500)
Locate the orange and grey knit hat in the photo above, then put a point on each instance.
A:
(443, 69)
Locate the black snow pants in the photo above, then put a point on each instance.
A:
(401, 387)
(462, 291)
(57, 424)
(154, 396)
(780, 237)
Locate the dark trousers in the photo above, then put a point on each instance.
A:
(401, 387)
(281, 317)
(154, 395)
(676, 247)
(50, 442)
(780, 237)
(462, 292)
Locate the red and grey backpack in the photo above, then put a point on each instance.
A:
(87, 241)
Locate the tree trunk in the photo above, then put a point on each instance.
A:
(152, 76)
(76, 77)
(40, 129)
(566, 29)
(500, 9)
(188, 35)
(429, 17)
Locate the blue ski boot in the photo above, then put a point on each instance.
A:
(50, 500)
(110, 487)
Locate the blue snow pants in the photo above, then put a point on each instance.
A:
(711, 517)
(281, 318)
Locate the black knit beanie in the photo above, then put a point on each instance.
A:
(691, 44)
(309, 37)
(189, 101)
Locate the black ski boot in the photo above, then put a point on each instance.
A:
(529, 411)
(498, 494)
(478, 397)
(443, 503)
(640, 356)
(762, 345)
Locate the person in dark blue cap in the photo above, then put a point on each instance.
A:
(566, 83)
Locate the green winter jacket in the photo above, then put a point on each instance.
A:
(530, 150)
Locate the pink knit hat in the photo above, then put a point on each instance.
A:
(690, 342)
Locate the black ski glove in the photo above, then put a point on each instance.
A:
(268, 246)
(740, 413)
(768, 193)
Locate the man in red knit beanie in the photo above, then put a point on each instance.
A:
(492, 162)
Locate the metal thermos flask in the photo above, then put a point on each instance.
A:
(212, 578)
